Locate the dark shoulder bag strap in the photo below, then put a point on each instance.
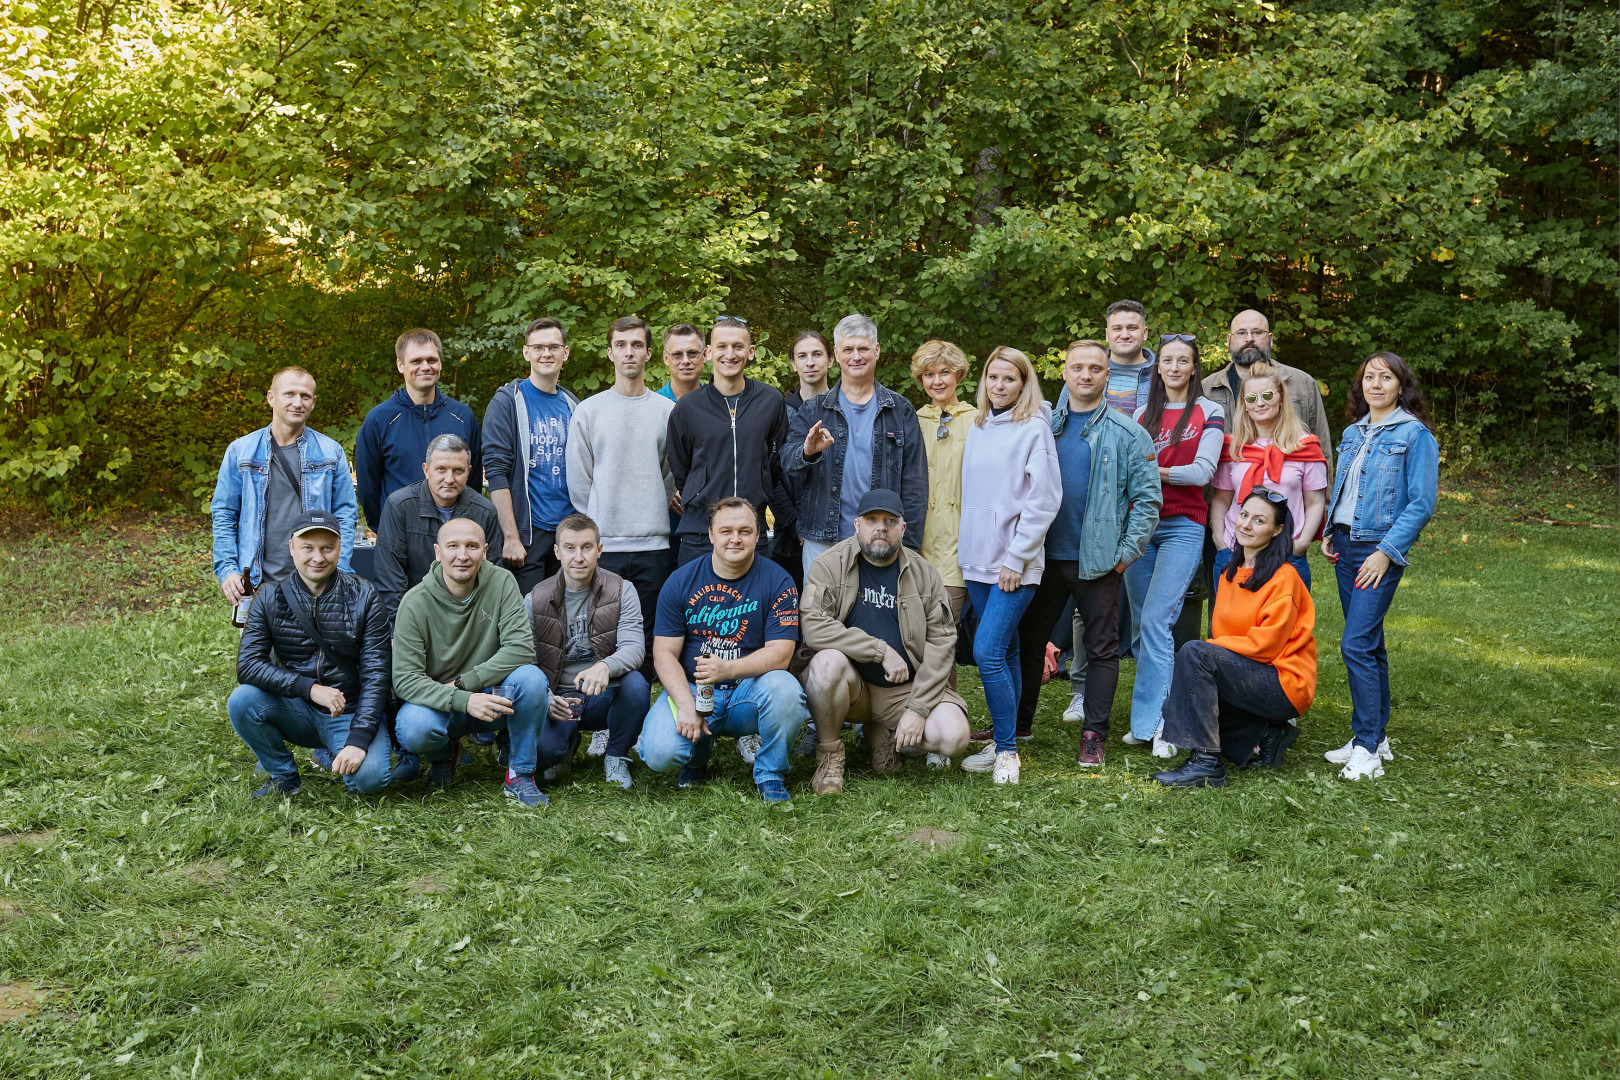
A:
(306, 624)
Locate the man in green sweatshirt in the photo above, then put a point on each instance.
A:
(464, 662)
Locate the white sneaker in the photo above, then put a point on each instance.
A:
(1131, 740)
(1343, 754)
(1076, 710)
(983, 761)
(1006, 768)
(1362, 764)
(1163, 749)
(598, 747)
(939, 762)
(748, 748)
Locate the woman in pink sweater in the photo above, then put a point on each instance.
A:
(1010, 494)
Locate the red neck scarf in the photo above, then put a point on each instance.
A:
(1266, 462)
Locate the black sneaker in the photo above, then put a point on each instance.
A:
(322, 759)
(694, 776)
(503, 748)
(1273, 744)
(1202, 769)
(443, 772)
(406, 769)
(280, 785)
(484, 738)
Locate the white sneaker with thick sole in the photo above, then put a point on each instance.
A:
(1131, 740)
(983, 761)
(1006, 768)
(1162, 749)
(748, 748)
(1076, 711)
(598, 747)
(1342, 755)
(1362, 765)
(938, 762)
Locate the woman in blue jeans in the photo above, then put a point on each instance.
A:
(1011, 491)
(1188, 430)
(1384, 492)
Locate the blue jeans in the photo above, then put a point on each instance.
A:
(1362, 645)
(620, 709)
(1156, 584)
(770, 706)
(268, 722)
(425, 731)
(1298, 562)
(995, 651)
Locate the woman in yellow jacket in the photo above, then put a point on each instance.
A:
(938, 366)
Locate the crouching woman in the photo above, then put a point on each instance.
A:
(1237, 695)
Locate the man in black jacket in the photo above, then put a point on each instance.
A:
(723, 441)
(326, 684)
(412, 516)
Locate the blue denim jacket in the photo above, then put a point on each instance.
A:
(1400, 482)
(1124, 498)
(239, 494)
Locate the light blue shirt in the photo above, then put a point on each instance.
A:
(857, 459)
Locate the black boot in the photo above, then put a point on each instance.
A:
(1277, 739)
(1202, 769)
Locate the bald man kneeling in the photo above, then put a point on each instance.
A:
(464, 662)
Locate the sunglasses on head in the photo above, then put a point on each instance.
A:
(730, 320)
(1264, 395)
(1190, 339)
(1275, 497)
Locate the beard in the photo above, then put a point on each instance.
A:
(878, 551)
(1252, 352)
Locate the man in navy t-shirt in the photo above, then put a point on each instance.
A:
(727, 625)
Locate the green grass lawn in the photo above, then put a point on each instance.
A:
(1457, 918)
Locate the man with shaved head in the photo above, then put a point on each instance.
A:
(464, 663)
(1249, 341)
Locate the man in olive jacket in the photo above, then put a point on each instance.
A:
(877, 620)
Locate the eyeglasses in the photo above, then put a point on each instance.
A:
(730, 320)
(1264, 395)
(545, 350)
(1250, 335)
(1275, 497)
(1190, 339)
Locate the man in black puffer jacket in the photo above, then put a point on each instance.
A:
(326, 686)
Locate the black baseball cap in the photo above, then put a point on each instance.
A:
(880, 499)
(312, 520)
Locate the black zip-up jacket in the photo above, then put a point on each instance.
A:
(410, 526)
(351, 616)
(713, 457)
(898, 463)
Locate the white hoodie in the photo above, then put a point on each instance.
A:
(1011, 491)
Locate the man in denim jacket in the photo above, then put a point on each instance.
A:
(256, 500)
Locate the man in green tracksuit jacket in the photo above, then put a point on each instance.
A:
(464, 662)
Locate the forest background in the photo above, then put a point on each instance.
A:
(194, 194)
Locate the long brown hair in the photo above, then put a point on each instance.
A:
(1159, 395)
(1411, 397)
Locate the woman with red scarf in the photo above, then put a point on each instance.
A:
(1269, 448)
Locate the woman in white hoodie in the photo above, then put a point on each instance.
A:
(1010, 494)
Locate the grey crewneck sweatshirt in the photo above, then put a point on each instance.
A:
(617, 470)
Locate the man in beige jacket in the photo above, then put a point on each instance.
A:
(876, 618)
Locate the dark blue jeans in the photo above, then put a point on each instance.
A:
(1362, 645)
(1220, 701)
(995, 651)
(620, 709)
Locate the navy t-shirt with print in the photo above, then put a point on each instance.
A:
(737, 616)
(549, 416)
(877, 612)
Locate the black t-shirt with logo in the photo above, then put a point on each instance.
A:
(876, 611)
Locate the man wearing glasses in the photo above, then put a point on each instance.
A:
(526, 455)
(1249, 341)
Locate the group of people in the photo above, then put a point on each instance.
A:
(783, 566)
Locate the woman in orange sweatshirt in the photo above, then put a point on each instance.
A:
(1238, 694)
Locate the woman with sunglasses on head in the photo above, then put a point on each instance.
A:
(1269, 446)
(1187, 430)
(1011, 491)
(1384, 493)
(939, 367)
(1237, 694)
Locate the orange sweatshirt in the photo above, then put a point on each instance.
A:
(1275, 625)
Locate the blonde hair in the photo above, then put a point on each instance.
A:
(1084, 343)
(938, 352)
(1028, 404)
(1289, 429)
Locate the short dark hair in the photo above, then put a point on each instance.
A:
(683, 329)
(417, 336)
(579, 523)
(1134, 306)
(731, 502)
(546, 322)
(629, 322)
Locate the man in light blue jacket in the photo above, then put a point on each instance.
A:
(267, 478)
(1111, 501)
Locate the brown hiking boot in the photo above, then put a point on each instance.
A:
(881, 742)
(829, 777)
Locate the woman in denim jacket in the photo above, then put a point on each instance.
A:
(1384, 492)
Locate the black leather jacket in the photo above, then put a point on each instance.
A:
(352, 618)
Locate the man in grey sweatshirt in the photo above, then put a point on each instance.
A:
(618, 473)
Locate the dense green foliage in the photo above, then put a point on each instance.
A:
(193, 194)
